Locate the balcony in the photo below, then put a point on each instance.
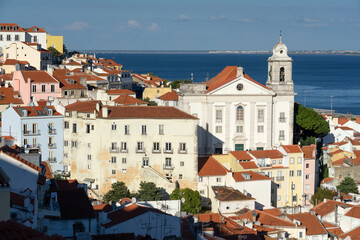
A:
(27, 133)
(52, 131)
(52, 159)
(168, 167)
(140, 150)
(52, 145)
(278, 178)
(182, 151)
(125, 150)
(114, 149)
(156, 151)
(36, 146)
(168, 150)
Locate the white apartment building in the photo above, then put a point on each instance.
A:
(13, 33)
(105, 144)
(238, 113)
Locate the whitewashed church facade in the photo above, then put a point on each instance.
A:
(238, 113)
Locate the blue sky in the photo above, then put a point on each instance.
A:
(192, 25)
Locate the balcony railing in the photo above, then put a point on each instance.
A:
(168, 167)
(156, 151)
(168, 150)
(114, 149)
(34, 146)
(52, 145)
(52, 131)
(52, 159)
(124, 150)
(182, 151)
(31, 133)
(140, 150)
(279, 178)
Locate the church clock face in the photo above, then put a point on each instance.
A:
(239, 87)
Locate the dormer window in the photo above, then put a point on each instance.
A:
(36, 29)
(50, 112)
(8, 28)
(15, 28)
(2, 27)
(246, 176)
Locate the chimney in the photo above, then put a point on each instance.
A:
(240, 72)
(105, 112)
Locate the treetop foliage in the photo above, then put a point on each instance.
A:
(348, 185)
(192, 198)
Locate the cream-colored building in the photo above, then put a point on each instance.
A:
(238, 113)
(105, 144)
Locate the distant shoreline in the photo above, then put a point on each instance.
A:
(303, 52)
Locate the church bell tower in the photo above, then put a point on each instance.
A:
(280, 70)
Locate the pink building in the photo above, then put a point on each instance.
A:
(309, 171)
(35, 85)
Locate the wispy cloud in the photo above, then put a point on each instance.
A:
(153, 27)
(183, 18)
(76, 26)
(218, 18)
(310, 22)
(221, 18)
(133, 24)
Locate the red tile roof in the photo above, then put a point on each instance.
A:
(48, 173)
(83, 106)
(311, 222)
(8, 95)
(241, 155)
(335, 152)
(353, 234)
(342, 120)
(105, 207)
(254, 176)
(327, 206)
(354, 212)
(12, 25)
(266, 154)
(128, 100)
(338, 143)
(212, 168)
(64, 76)
(340, 161)
(345, 128)
(147, 112)
(266, 219)
(273, 211)
(333, 229)
(120, 92)
(38, 77)
(229, 194)
(14, 62)
(13, 154)
(170, 96)
(292, 148)
(36, 111)
(309, 151)
(128, 212)
(248, 165)
(35, 29)
(326, 180)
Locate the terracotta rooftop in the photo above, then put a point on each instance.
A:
(14, 62)
(249, 176)
(212, 168)
(128, 100)
(309, 151)
(13, 27)
(292, 148)
(35, 29)
(335, 152)
(328, 206)
(354, 212)
(68, 80)
(342, 120)
(38, 77)
(37, 111)
(272, 154)
(105, 207)
(311, 222)
(223, 193)
(326, 180)
(266, 219)
(48, 173)
(8, 95)
(83, 106)
(119, 92)
(340, 161)
(353, 234)
(170, 96)
(241, 155)
(338, 143)
(14, 154)
(273, 211)
(248, 165)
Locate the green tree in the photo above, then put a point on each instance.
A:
(151, 103)
(326, 173)
(148, 192)
(54, 52)
(321, 194)
(64, 49)
(192, 203)
(308, 141)
(309, 122)
(347, 186)
(118, 191)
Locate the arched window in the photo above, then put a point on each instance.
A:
(282, 74)
(239, 113)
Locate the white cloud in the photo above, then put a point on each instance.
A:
(310, 22)
(133, 24)
(183, 18)
(218, 18)
(153, 27)
(76, 26)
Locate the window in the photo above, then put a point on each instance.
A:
(66, 155)
(35, 142)
(202, 192)
(89, 144)
(259, 148)
(274, 162)
(156, 146)
(200, 179)
(113, 171)
(145, 162)
(113, 126)
(218, 115)
(218, 179)
(279, 197)
(260, 116)
(299, 160)
(281, 135)
(269, 174)
(52, 88)
(143, 129)
(34, 88)
(300, 234)
(123, 160)
(16, 37)
(167, 162)
(43, 88)
(8, 37)
(88, 157)
(291, 160)
(74, 128)
(168, 147)
(87, 128)
(35, 128)
(307, 187)
(239, 113)
(282, 74)
(35, 38)
(307, 176)
(218, 129)
(182, 164)
(25, 129)
(239, 129)
(182, 147)
(260, 128)
(280, 161)
(161, 129)
(73, 143)
(291, 173)
(89, 166)
(123, 146)
(123, 170)
(25, 141)
(113, 159)
(126, 129)
(298, 173)
(66, 143)
(1, 38)
(307, 165)
(294, 198)
(279, 186)
(282, 117)
(180, 176)
(113, 146)
(140, 146)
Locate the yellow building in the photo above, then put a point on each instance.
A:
(154, 92)
(56, 42)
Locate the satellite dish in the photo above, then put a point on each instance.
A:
(183, 200)
(133, 200)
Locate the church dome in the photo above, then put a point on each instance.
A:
(280, 49)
